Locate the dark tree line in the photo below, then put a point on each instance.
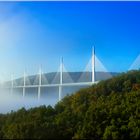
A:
(108, 110)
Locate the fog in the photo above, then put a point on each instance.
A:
(12, 101)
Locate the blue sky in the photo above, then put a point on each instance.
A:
(34, 33)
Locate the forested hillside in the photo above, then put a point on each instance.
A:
(108, 110)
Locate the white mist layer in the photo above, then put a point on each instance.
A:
(9, 102)
(49, 96)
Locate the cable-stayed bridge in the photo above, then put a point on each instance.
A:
(60, 79)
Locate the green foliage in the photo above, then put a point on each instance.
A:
(109, 110)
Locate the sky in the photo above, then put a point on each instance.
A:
(39, 33)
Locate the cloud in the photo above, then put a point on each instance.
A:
(20, 32)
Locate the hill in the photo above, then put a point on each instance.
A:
(53, 77)
(108, 110)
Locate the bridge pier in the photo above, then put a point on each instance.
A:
(39, 92)
(60, 91)
(24, 84)
(12, 84)
(39, 86)
(23, 94)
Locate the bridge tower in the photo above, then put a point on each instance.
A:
(93, 65)
(40, 82)
(61, 78)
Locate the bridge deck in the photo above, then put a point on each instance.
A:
(56, 85)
